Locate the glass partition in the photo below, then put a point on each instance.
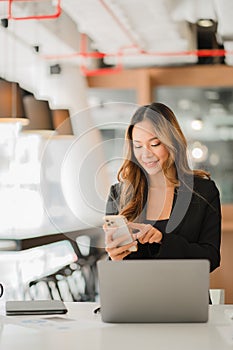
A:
(206, 117)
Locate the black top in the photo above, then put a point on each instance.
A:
(193, 230)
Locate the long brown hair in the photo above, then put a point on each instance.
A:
(132, 177)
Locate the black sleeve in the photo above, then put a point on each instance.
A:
(113, 201)
(208, 244)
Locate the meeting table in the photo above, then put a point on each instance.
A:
(83, 329)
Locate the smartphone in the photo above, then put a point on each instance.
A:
(120, 222)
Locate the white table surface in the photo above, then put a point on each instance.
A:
(85, 331)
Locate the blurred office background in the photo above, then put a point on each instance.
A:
(72, 73)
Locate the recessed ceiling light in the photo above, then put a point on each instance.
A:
(199, 152)
(197, 124)
(205, 23)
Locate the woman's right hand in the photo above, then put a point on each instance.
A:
(112, 245)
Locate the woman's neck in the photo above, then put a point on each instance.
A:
(161, 181)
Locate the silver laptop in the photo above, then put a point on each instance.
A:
(154, 290)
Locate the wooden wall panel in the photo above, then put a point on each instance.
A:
(198, 76)
(223, 277)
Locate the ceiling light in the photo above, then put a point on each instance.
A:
(197, 124)
(207, 23)
(199, 152)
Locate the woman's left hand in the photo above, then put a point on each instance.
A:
(147, 233)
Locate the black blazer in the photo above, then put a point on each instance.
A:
(193, 230)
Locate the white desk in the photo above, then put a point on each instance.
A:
(88, 332)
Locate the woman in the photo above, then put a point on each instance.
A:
(175, 211)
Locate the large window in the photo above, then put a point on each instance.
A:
(206, 117)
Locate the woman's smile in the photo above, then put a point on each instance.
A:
(151, 164)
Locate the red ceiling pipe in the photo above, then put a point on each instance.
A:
(41, 17)
(200, 53)
(75, 54)
(119, 67)
(85, 54)
(100, 71)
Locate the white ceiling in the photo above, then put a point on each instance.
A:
(120, 27)
(135, 33)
